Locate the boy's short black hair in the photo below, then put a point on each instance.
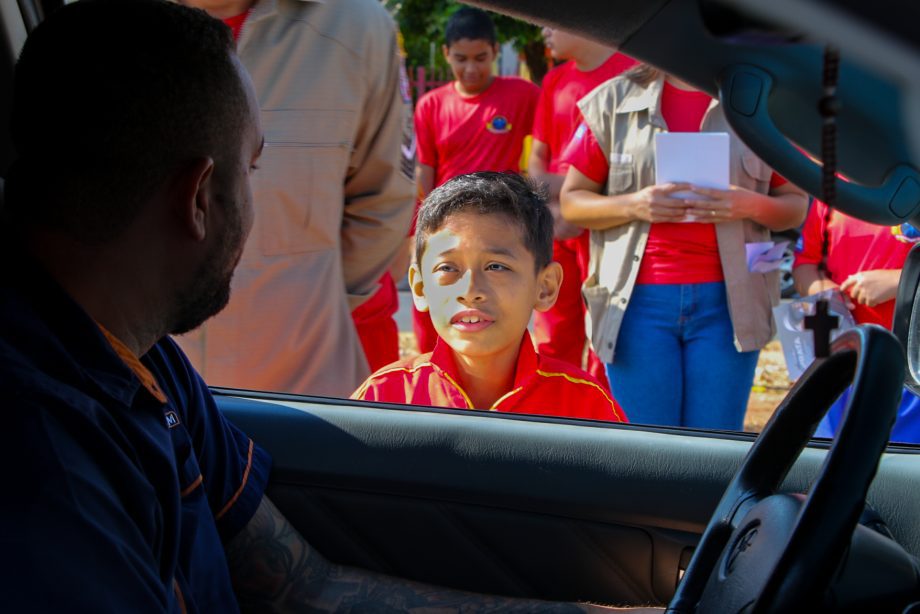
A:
(471, 23)
(520, 199)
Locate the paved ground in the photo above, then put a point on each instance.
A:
(770, 381)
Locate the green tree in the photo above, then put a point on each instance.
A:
(422, 25)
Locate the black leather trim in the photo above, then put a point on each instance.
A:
(492, 503)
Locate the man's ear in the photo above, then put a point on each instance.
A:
(417, 287)
(549, 281)
(194, 195)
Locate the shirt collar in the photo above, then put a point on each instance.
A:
(134, 363)
(62, 340)
(261, 8)
(648, 98)
(528, 361)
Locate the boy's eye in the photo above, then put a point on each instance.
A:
(495, 266)
(445, 268)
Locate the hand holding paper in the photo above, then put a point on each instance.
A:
(872, 287)
(700, 159)
(656, 203)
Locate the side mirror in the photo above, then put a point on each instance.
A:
(906, 325)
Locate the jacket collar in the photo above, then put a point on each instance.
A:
(638, 98)
(528, 361)
(648, 98)
(263, 8)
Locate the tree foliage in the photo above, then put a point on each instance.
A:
(422, 23)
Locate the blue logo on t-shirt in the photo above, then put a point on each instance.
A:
(906, 233)
(498, 125)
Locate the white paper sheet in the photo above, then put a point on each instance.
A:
(700, 158)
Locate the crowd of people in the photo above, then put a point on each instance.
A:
(656, 304)
(293, 128)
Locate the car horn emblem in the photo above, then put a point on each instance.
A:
(740, 547)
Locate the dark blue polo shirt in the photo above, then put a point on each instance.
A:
(113, 501)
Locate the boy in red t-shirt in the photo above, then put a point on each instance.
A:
(484, 248)
(560, 331)
(478, 122)
(864, 260)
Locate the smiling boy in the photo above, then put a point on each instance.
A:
(484, 263)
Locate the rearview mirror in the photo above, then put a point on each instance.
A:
(906, 324)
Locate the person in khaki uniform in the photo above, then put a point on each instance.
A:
(673, 309)
(333, 201)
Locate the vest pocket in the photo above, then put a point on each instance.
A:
(596, 299)
(621, 177)
(298, 192)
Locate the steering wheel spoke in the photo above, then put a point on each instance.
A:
(769, 552)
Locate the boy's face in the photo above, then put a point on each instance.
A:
(479, 283)
(471, 63)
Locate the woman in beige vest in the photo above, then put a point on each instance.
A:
(673, 310)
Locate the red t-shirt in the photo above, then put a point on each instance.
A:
(681, 253)
(542, 385)
(676, 253)
(236, 23)
(557, 113)
(853, 246)
(486, 132)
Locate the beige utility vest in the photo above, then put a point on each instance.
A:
(625, 117)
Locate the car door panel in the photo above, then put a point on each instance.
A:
(514, 505)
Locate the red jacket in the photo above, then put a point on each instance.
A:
(541, 386)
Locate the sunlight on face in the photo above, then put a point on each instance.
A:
(479, 283)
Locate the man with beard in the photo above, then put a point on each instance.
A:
(126, 213)
(125, 489)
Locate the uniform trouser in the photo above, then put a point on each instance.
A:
(376, 327)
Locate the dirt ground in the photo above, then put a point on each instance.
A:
(771, 381)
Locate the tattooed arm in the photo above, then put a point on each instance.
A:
(274, 569)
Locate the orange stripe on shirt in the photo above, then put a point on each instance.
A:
(134, 363)
(191, 487)
(466, 397)
(180, 597)
(362, 390)
(505, 396)
(239, 491)
(584, 382)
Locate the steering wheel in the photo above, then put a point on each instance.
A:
(768, 552)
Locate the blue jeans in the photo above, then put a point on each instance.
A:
(676, 362)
